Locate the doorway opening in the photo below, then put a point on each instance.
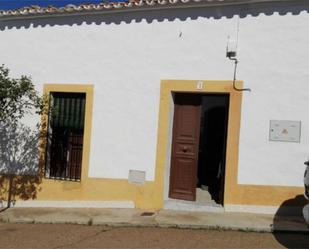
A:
(199, 147)
(212, 145)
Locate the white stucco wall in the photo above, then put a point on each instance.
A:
(126, 61)
(274, 64)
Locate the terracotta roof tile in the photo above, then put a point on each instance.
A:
(133, 4)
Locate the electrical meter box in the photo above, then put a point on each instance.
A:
(284, 131)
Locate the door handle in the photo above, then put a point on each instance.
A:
(185, 149)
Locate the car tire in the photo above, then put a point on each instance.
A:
(306, 213)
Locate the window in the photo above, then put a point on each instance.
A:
(65, 136)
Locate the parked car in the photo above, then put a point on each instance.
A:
(306, 194)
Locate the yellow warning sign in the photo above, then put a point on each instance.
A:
(285, 131)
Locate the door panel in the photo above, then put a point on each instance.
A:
(186, 129)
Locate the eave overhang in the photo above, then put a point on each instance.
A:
(114, 7)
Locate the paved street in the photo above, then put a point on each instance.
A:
(82, 236)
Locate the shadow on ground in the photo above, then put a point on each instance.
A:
(289, 213)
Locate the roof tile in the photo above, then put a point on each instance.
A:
(35, 10)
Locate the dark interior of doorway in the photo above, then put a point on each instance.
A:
(212, 145)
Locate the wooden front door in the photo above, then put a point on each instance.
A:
(185, 146)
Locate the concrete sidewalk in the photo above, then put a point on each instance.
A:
(163, 218)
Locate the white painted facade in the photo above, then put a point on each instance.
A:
(126, 57)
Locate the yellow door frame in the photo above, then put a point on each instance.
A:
(193, 86)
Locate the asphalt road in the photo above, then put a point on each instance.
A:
(80, 236)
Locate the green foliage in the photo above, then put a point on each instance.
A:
(17, 97)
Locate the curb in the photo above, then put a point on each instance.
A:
(91, 222)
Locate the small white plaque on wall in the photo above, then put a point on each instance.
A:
(137, 176)
(285, 131)
(199, 85)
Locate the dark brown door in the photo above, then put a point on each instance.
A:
(186, 132)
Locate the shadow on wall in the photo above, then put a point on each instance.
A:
(20, 161)
(290, 215)
(293, 7)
